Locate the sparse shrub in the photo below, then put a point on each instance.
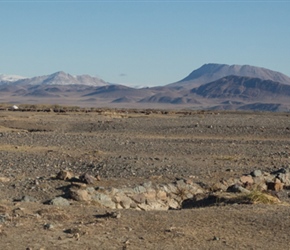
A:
(258, 197)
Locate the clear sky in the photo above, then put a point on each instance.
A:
(141, 42)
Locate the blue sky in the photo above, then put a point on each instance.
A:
(141, 42)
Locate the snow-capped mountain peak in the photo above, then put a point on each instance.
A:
(11, 78)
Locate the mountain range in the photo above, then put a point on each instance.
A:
(212, 86)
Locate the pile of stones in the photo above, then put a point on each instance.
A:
(142, 197)
(277, 180)
(149, 196)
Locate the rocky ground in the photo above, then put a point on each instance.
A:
(122, 150)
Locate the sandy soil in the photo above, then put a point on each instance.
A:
(127, 149)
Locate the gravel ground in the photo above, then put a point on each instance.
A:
(126, 149)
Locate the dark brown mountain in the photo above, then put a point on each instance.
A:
(212, 72)
(246, 88)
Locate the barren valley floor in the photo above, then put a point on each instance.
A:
(126, 149)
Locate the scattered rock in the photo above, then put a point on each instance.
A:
(59, 201)
(275, 186)
(86, 178)
(236, 188)
(138, 198)
(3, 218)
(48, 226)
(115, 214)
(79, 194)
(256, 173)
(247, 179)
(74, 230)
(104, 200)
(65, 175)
(4, 179)
(218, 187)
(27, 198)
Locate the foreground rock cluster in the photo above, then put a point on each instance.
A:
(257, 180)
(142, 197)
(177, 194)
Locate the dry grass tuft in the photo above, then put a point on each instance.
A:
(259, 197)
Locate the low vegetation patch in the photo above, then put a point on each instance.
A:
(259, 197)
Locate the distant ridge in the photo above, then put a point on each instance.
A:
(238, 87)
(212, 72)
(59, 78)
(10, 78)
(212, 86)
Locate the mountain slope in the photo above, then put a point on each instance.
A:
(212, 72)
(62, 78)
(10, 78)
(237, 87)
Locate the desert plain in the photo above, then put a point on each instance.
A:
(123, 149)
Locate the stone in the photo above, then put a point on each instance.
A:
(218, 187)
(115, 214)
(64, 175)
(78, 185)
(246, 179)
(256, 173)
(157, 205)
(143, 207)
(59, 201)
(260, 179)
(194, 189)
(161, 195)
(4, 179)
(180, 184)
(150, 195)
(147, 184)
(27, 198)
(104, 200)
(138, 198)
(48, 226)
(236, 188)
(261, 186)
(173, 204)
(126, 203)
(284, 177)
(112, 191)
(171, 188)
(275, 186)
(3, 209)
(89, 179)
(122, 200)
(3, 218)
(91, 190)
(127, 191)
(189, 181)
(153, 206)
(139, 189)
(133, 205)
(73, 230)
(79, 194)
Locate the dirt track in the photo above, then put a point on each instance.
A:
(125, 150)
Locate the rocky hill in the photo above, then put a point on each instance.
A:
(58, 78)
(212, 72)
(237, 87)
